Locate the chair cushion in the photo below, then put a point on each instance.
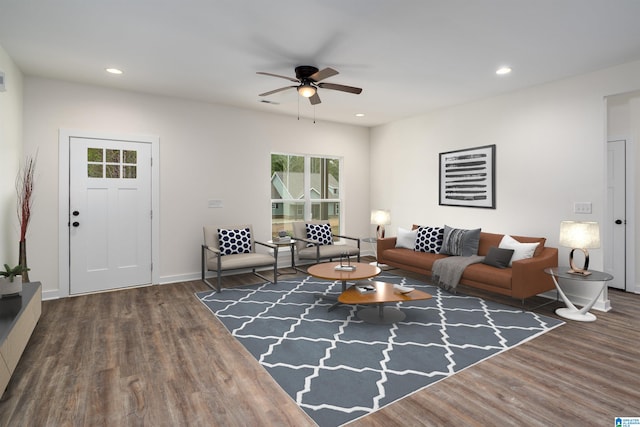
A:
(234, 241)
(328, 251)
(321, 233)
(237, 261)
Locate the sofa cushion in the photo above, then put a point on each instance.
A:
(421, 260)
(498, 257)
(234, 241)
(320, 233)
(429, 239)
(406, 238)
(520, 250)
(460, 242)
(483, 274)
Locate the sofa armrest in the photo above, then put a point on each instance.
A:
(528, 276)
(382, 245)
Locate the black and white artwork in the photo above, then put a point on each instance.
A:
(467, 177)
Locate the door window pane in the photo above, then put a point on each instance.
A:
(94, 171)
(107, 163)
(113, 156)
(113, 171)
(129, 157)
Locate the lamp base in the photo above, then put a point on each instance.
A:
(579, 271)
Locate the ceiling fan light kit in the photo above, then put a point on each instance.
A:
(309, 81)
(306, 90)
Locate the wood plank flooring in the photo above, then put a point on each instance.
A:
(155, 356)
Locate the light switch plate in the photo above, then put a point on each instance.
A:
(582, 207)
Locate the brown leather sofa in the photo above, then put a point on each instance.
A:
(524, 279)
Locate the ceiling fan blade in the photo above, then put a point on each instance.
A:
(271, 92)
(278, 75)
(323, 74)
(342, 88)
(315, 99)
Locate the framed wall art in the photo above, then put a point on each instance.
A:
(467, 177)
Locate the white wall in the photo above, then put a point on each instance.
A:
(550, 153)
(11, 156)
(206, 152)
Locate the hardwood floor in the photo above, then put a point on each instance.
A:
(155, 356)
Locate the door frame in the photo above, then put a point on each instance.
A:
(630, 189)
(64, 138)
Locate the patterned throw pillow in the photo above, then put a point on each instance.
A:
(429, 239)
(460, 242)
(321, 233)
(234, 241)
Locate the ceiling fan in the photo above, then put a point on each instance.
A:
(308, 79)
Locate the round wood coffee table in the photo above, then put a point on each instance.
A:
(384, 293)
(327, 270)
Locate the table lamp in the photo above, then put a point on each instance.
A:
(380, 218)
(582, 236)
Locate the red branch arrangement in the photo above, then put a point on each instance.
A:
(24, 188)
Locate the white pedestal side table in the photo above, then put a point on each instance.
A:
(571, 311)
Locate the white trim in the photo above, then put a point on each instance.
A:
(64, 137)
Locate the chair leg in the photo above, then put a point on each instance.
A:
(203, 266)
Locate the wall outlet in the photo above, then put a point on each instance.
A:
(582, 207)
(215, 203)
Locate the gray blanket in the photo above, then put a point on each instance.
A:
(448, 271)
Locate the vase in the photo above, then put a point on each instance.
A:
(9, 288)
(22, 260)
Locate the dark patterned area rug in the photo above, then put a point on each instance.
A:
(338, 368)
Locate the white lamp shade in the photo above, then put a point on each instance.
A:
(380, 217)
(581, 235)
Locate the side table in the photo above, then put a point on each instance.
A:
(291, 243)
(571, 312)
(374, 244)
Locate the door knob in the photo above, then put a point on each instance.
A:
(76, 223)
(75, 213)
(618, 221)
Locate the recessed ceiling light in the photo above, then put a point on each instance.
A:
(359, 114)
(503, 70)
(114, 71)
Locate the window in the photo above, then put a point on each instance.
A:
(304, 187)
(108, 163)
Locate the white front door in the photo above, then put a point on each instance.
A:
(110, 214)
(616, 221)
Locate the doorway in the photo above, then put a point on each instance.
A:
(616, 220)
(108, 211)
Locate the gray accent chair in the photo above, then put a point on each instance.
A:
(214, 260)
(311, 250)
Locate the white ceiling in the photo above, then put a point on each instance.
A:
(409, 56)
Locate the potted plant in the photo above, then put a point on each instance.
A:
(11, 280)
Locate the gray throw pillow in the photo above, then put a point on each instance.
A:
(460, 242)
(498, 257)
